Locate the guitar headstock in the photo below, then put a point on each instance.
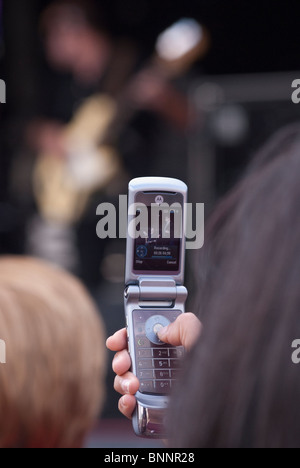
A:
(181, 45)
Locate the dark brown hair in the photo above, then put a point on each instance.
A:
(75, 12)
(240, 387)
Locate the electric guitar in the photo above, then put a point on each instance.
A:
(63, 186)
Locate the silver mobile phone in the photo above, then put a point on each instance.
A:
(154, 295)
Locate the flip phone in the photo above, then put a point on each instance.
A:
(154, 294)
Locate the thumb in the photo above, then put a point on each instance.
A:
(185, 331)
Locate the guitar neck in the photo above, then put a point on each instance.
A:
(174, 56)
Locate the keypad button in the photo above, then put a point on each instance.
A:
(175, 363)
(175, 373)
(161, 363)
(142, 342)
(145, 374)
(153, 325)
(163, 385)
(176, 353)
(160, 353)
(144, 353)
(140, 329)
(162, 374)
(144, 364)
(147, 386)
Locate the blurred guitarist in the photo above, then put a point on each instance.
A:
(77, 42)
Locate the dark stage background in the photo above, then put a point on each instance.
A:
(247, 37)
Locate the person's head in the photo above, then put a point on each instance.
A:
(52, 385)
(75, 37)
(241, 387)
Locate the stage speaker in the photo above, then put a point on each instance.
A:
(235, 116)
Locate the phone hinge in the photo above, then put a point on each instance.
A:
(163, 292)
(157, 289)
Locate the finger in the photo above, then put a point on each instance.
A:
(127, 384)
(185, 331)
(121, 362)
(118, 341)
(127, 405)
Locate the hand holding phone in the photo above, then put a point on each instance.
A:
(184, 332)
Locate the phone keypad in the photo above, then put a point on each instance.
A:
(157, 365)
(158, 368)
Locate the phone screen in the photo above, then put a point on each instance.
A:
(158, 248)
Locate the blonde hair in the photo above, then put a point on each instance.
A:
(52, 385)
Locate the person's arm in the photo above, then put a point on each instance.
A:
(151, 91)
(184, 332)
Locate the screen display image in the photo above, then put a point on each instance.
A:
(159, 249)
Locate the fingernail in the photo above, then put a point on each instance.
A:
(117, 357)
(116, 362)
(122, 403)
(107, 341)
(126, 386)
